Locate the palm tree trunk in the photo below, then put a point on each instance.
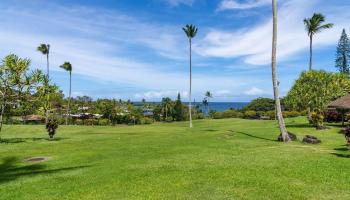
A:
(2, 110)
(69, 98)
(190, 94)
(310, 62)
(47, 61)
(281, 123)
(48, 77)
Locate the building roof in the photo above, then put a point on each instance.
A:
(32, 118)
(342, 102)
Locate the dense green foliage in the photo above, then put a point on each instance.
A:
(261, 104)
(343, 54)
(217, 159)
(315, 89)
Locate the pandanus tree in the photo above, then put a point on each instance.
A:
(281, 123)
(45, 49)
(190, 31)
(68, 67)
(314, 25)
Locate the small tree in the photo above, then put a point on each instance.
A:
(343, 54)
(51, 127)
(178, 109)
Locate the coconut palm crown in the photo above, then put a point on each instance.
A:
(190, 31)
(314, 25)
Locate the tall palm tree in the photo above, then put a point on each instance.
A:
(315, 25)
(45, 49)
(281, 123)
(68, 67)
(208, 96)
(191, 32)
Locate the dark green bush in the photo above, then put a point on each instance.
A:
(250, 114)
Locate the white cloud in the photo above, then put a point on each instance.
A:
(254, 91)
(235, 5)
(157, 95)
(222, 93)
(253, 45)
(178, 2)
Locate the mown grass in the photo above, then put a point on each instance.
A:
(217, 159)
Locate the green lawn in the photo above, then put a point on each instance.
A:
(217, 159)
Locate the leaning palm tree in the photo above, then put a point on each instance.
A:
(68, 67)
(191, 32)
(45, 49)
(315, 25)
(281, 123)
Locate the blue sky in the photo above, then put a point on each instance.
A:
(134, 49)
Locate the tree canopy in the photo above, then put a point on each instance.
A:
(315, 89)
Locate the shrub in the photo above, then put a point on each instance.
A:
(288, 114)
(146, 120)
(271, 114)
(232, 114)
(104, 122)
(317, 119)
(333, 116)
(51, 127)
(250, 114)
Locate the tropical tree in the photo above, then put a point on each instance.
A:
(343, 54)
(208, 95)
(315, 25)
(68, 67)
(16, 82)
(316, 89)
(166, 105)
(178, 109)
(191, 32)
(281, 123)
(45, 49)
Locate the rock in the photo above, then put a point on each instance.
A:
(311, 139)
(292, 137)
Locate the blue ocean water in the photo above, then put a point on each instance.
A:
(222, 106)
(217, 106)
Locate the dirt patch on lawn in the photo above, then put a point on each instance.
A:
(37, 159)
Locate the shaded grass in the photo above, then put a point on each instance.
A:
(217, 159)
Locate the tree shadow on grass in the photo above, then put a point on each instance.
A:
(20, 140)
(9, 169)
(210, 130)
(342, 149)
(299, 126)
(254, 136)
(340, 155)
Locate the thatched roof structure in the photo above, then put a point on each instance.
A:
(341, 103)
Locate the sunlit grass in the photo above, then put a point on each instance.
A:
(217, 159)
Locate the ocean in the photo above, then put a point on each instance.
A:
(222, 106)
(217, 106)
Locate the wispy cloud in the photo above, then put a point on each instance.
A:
(254, 91)
(179, 2)
(253, 44)
(236, 5)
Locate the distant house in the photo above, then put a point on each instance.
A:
(36, 119)
(147, 112)
(84, 108)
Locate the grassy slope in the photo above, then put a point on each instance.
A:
(217, 159)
